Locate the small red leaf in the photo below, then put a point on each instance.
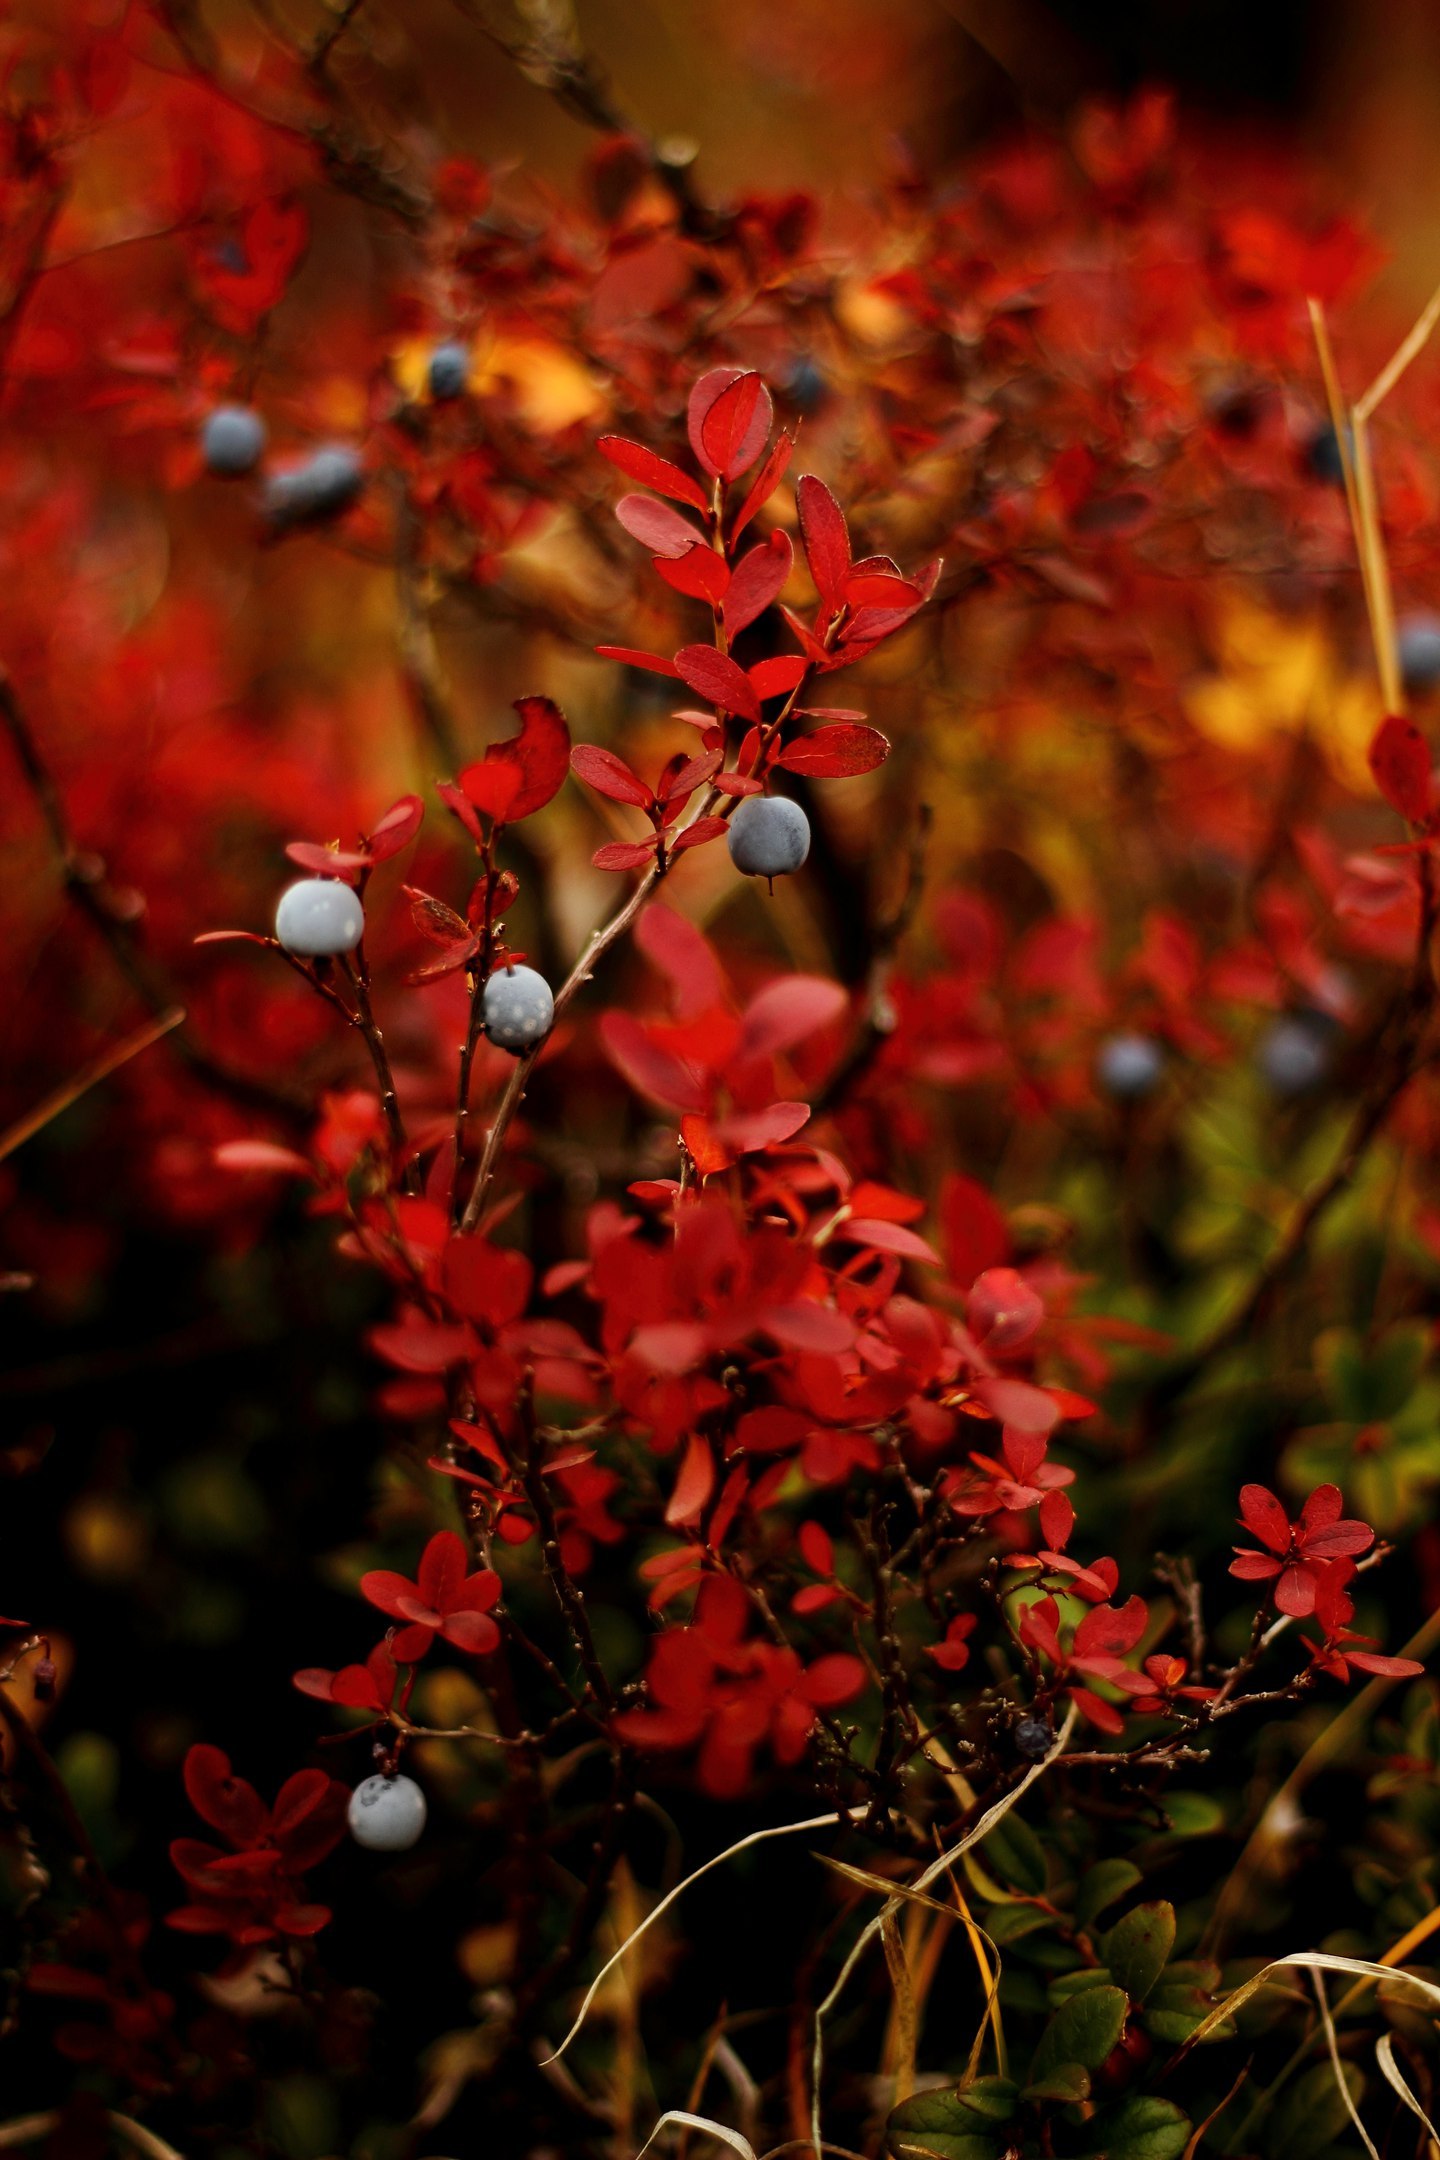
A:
(696, 833)
(699, 573)
(656, 526)
(688, 774)
(776, 678)
(718, 678)
(706, 394)
(396, 829)
(652, 471)
(836, 753)
(326, 861)
(624, 854)
(727, 432)
(609, 775)
(262, 1155)
(520, 775)
(629, 657)
(1400, 761)
(757, 579)
(765, 482)
(826, 537)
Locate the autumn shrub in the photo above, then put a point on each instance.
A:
(722, 1209)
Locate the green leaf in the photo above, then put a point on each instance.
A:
(1181, 2001)
(1017, 1856)
(1140, 2128)
(1066, 1984)
(1100, 1887)
(993, 2098)
(1008, 1923)
(1068, 2083)
(1194, 1814)
(1315, 2116)
(1083, 2030)
(1137, 1947)
(945, 2125)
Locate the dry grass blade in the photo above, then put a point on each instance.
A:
(31, 2129)
(923, 1880)
(1390, 2071)
(686, 2121)
(756, 1837)
(899, 1969)
(89, 1076)
(1406, 351)
(1338, 2067)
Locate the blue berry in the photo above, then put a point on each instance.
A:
(517, 1008)
(449, 371)
(326, 483)
(318, 917)
(387, 1814)
(806, 386)
(1322, 456)
(1294, 1054)
(1129, 1067)
(1417, 647)
(232, 441)
(768, 836)
(1033, 1738)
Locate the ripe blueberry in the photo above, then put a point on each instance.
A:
(326, 483)
(387, 1814)
(1322, 456)
(232, 441)
(768, 836)
(1295, 1052)
(806, 385)
(448, 371)
(517, 1008)
(1033, 1738)
(318, 917)
(1417, 647)
(1129, 1067)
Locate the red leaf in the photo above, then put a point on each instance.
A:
(624, 854)
(656, 526)
(1400, 761)
(262, 1155)
(765, 483)
(651, 1068)
(609, 775)
(396, 829)
(836, 753)
(697, 833)
(699, 573)
(652, 471)
(826, 537)
(803, 1326)
(889, 1237)
(537, 758)
(706, 393)
(973, 1230)
(326, 861)
(715, 1144)
(629, 657)
(757, 579)
(695, 1483)
(773, 678)
(718, 678)
(681, 950)
(728, 432)
(786, 1011)
(437, 922)
(689, 774)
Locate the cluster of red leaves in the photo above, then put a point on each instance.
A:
(252, 1889)
(858, 606)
